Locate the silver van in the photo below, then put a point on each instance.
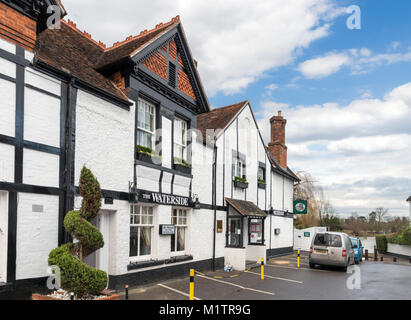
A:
(331, 249)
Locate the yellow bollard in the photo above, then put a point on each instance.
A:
(298, 258)
(192, 284)
(262, 268)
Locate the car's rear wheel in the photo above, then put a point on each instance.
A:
(312, 265)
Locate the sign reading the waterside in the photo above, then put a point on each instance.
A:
(165, 199)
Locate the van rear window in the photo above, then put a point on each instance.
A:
(328, 240)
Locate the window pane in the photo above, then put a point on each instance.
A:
(180, 239)
(145, 241)
(133, 241)
(173, 243)
(136, 219)
(144, 139)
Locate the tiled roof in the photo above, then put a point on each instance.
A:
(218, 118)
(128, 47)
(246, 208)
(75, 52)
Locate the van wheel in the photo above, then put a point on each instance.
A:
(344, 269)
(312, 265)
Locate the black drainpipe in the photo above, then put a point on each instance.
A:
(214, 199)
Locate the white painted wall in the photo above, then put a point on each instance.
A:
(37, 234)
(8, 107)
(236, 257)
(3, 235)
(40, 168)
(6, 163)
(399, 249)
(41, 118)
(42, 81)
(8, 46)
(286, 238)
(304, 243)
(104, 141)
(7, 68)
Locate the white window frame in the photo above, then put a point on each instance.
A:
(179, 225)
(144, 103)
(238, 167)
(139, 225)
(263, 171)
(183, 144)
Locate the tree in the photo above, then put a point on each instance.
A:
(333, 222)
(76, 276)
(380, 215)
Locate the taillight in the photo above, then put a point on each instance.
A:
(311, 249)
(344, 253)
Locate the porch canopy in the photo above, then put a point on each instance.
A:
(246, 208)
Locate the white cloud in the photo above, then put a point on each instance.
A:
(271, 87)
(359, 152)
(323, 66)
(360, 61)
(234, 41)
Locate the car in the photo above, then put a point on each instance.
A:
(358, 249)
(331, 249)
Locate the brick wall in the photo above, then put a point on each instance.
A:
(17, 28)
(184, 84)
(157, 63)
(277, 146)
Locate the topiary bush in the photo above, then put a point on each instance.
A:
(76, 276)
(382, 243)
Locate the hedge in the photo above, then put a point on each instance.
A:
(403, 238)
(382, 243)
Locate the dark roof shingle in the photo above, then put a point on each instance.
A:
(246, 208)
(218, 118)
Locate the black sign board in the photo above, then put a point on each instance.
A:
(167, 229)
(165, 199)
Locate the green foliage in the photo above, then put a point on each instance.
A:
(403, 238)
(148, 151)
(76, 276)
(333, 222)
(182, 162)
(382, 245)
(240, 179)
(262, 181)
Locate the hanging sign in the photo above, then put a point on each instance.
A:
(300, 207)
(165, 199)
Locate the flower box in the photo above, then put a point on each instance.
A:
(144, 157)
(241, 185)
(261, 185)
(182, 168)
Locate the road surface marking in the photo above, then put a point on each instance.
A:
(177, 291)
(276, 278)
(295, 268)
(238, 286)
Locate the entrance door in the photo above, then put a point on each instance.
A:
(100, 259)
(3, 235)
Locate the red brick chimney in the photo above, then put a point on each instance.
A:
(277, 146)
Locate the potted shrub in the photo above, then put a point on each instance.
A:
(148, 155)
(77, 277)
(240, 182)
(262, 184)
(182, 165)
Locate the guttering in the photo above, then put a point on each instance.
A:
(103, 94)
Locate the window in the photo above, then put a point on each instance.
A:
(141, 226)
(234, 232)
(238, 168)
(328, 240)
(180, 139)
(178, 240)
(145, 124)
(255, 232)
(261, 174)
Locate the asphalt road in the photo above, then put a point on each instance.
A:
(283, 280)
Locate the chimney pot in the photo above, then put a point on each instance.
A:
(279, 113)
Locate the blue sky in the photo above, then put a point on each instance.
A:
(345, 93)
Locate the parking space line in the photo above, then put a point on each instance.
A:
(238, 286)
(275, 278)
(275, 266)
(177, 291)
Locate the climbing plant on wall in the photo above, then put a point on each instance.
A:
(76, 276)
